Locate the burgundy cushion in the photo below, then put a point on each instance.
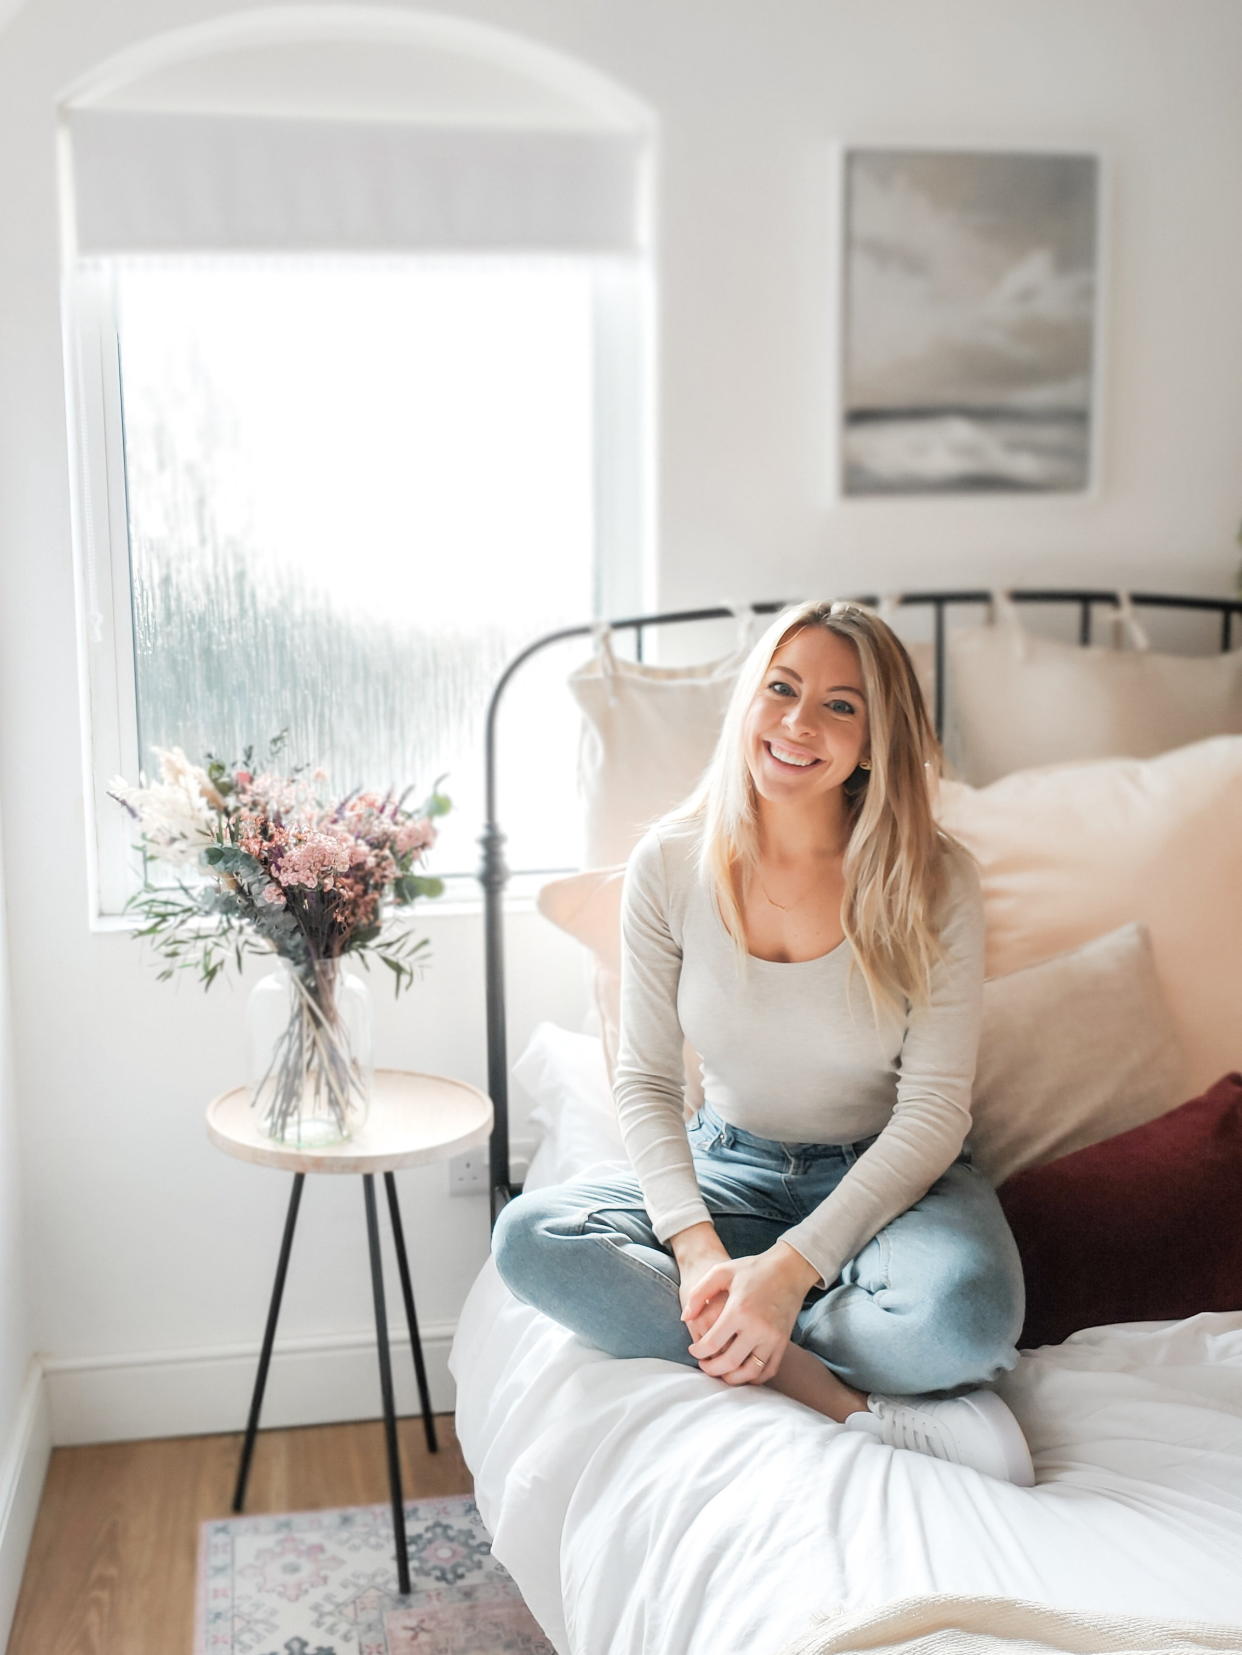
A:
(1146, 1226)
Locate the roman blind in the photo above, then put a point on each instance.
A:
(154, 182)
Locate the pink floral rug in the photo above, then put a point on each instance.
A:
(325, 1583)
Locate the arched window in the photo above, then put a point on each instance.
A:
(359, 311)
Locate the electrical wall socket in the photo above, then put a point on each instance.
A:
(469, 1173)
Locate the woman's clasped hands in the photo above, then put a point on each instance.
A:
(756, 1300)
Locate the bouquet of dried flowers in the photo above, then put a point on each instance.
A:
(294, 873)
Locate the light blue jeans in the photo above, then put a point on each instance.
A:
(933, 1303)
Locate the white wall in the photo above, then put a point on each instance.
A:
(24, 1434)
(15, 1345)
(150, 1254)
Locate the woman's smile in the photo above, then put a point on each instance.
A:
(790, 757)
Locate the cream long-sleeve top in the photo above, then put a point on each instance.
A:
(790, 1050)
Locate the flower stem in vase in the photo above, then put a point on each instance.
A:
(310, 1052)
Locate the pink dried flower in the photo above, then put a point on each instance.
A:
(418, 835)
(319, 852)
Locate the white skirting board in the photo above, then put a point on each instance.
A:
(312, 1381)
(23, 1466)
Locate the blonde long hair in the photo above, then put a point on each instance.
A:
(896, 858)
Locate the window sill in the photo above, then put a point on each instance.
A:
(459, 899)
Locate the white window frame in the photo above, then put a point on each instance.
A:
(623, 334)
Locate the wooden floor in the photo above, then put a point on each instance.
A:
(112, 1563)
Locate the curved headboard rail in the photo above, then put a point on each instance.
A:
(494, 874)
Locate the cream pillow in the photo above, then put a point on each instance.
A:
(922, 655)
(1071, 852)
(1016, 701)
(647, 735)
(1072, 1051)
(648, 732)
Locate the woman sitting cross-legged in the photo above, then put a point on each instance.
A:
(805, 924)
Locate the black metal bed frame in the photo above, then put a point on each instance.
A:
(494, 875)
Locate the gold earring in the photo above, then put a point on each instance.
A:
(864, 764)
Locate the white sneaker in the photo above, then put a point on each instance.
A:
(976, 1429)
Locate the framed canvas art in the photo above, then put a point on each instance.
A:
(969, 326)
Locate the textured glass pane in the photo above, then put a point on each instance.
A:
(356, 489)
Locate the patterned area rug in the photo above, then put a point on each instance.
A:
(325, 1583)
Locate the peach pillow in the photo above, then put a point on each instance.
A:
(1070, 852)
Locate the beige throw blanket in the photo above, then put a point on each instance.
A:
(947, 1625)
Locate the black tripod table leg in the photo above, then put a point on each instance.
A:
(407, 1289)
(385, 1367)
(265, 1356)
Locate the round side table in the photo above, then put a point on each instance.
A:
(413, 1119)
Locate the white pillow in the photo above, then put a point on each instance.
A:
(1071, 852)
(1016, 701)
(1072, 1051)
(563, 1073)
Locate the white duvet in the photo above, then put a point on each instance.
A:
(644, 1508)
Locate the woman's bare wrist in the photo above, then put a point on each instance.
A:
(697, 1241)
(795, 1266)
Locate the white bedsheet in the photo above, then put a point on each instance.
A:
(644, 1508)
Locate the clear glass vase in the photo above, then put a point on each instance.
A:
(310, 1063)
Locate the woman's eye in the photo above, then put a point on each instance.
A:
(779, 687)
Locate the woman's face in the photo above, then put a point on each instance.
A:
(806, 728)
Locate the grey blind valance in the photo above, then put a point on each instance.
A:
(153, 182)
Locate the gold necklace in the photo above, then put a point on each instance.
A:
(783, 906)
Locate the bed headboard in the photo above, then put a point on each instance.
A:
(494, 875)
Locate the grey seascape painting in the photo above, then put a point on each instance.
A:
(969, 321)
